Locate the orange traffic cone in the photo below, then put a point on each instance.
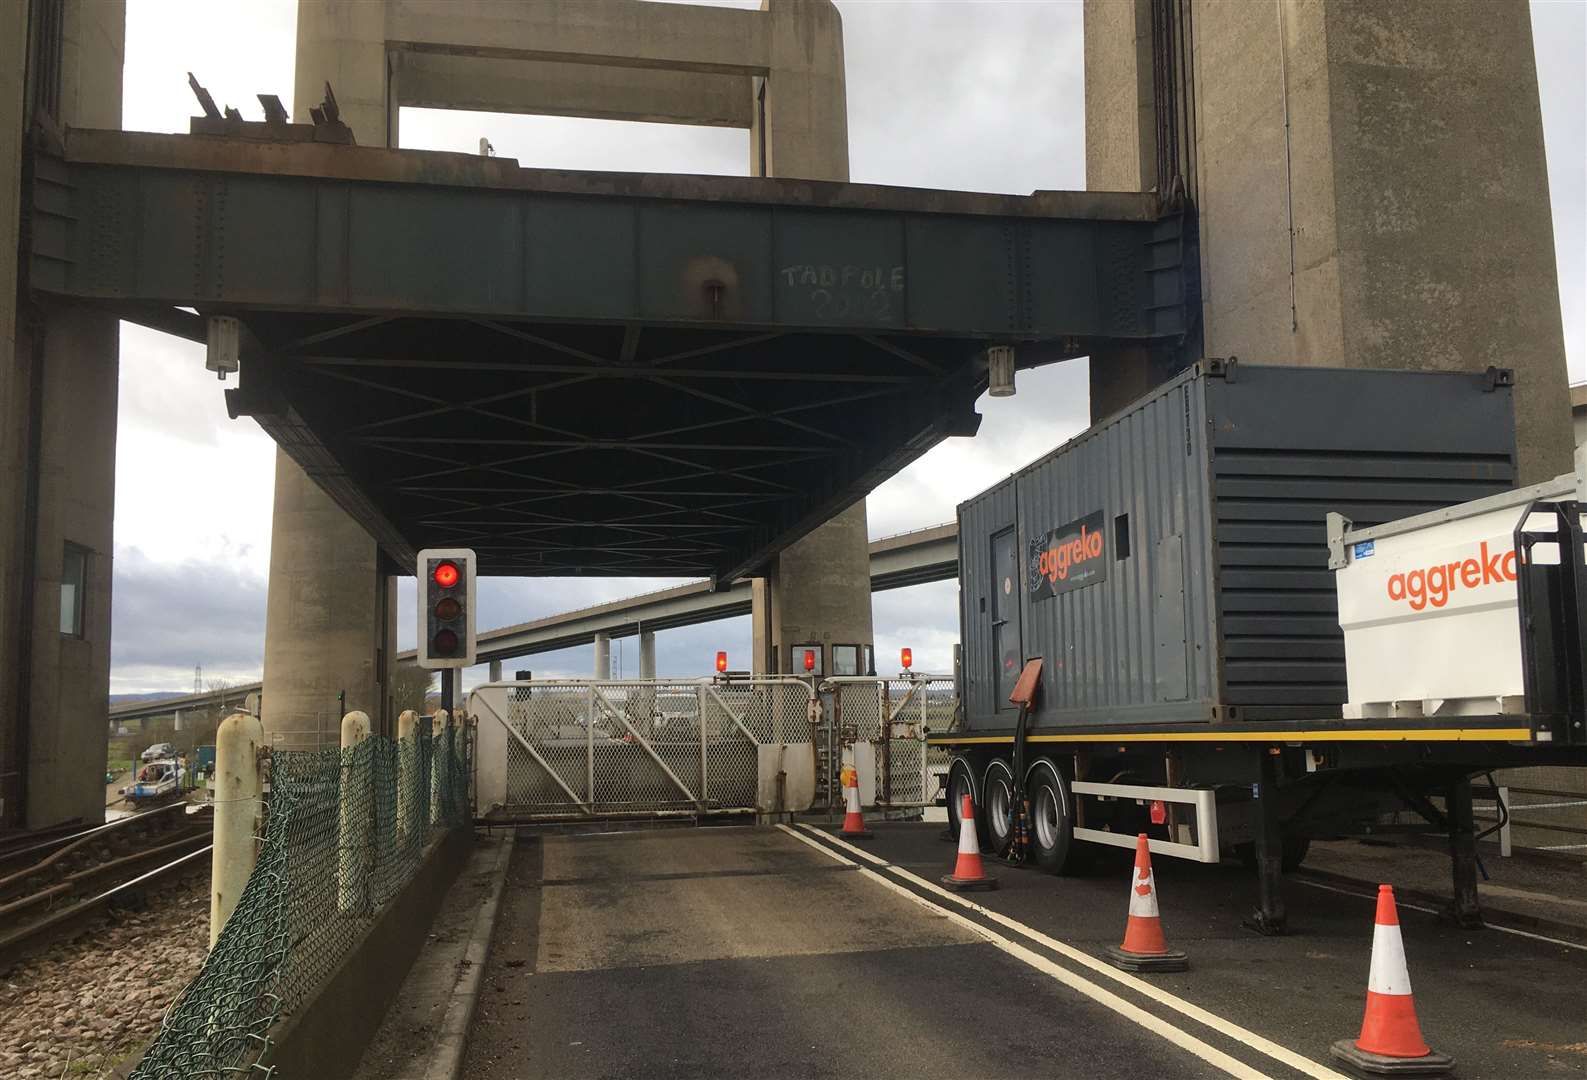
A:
(1145, 948)
(853, 820)
(967, 872)
(1390, 1043)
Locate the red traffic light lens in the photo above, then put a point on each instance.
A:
(444, 643)
(907, 658)
(721, 661)
(446, 574)
(447, 608)
(810, 659)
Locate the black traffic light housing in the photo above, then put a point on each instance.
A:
(446, 608)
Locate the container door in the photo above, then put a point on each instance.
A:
(1007, 657)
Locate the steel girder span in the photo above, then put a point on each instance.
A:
(601, 373)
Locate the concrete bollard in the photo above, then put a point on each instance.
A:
(239, 806)
(357, 799)
(408, 778)
(438, 763)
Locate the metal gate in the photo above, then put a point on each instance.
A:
(582, 748)
(892, 718)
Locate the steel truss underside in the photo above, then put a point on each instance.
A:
(616, 450)
(596, 373)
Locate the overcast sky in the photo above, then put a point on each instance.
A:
(984, 96)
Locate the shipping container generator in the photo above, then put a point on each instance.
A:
(1170, 570)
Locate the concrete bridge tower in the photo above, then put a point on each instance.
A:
(60, 65)
(777, 72)
(1370, 182)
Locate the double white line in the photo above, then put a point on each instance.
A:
(1071, 978)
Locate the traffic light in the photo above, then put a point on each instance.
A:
(446, 608)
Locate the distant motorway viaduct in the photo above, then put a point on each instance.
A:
(912, 558)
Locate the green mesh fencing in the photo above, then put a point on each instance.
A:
(327, 864)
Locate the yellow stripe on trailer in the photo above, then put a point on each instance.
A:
(1341, 735)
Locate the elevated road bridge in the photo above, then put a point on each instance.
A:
(596, 373)
(912, 558)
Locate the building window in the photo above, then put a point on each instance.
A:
(74, 580)
(796, 659)
(870, 661)
(846, 660)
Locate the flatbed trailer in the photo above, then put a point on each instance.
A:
(1181, 571)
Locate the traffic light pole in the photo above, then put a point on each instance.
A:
(449, 691)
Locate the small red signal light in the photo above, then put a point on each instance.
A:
(444, 643)
(446, 574)
(810, 659)
(721, 661)
(447, 608)
(907, 658)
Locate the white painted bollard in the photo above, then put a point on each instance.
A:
(438, 762)
(356, 806)
(239, 807)
(408, 778)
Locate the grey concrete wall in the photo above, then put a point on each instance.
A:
(1413, 173)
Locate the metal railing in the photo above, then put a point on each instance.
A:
(1497, 807)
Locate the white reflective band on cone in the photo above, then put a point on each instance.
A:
(851, 797)
(967, 842)
(1389, 974)
(1143, 906)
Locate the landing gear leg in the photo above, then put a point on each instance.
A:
(1270, 918)
(1467, 911)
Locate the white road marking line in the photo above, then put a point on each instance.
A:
(1434, 911)
(1219, 1024)
(1134, 1013)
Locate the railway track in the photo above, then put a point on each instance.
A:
(55, 886)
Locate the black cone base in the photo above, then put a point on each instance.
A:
(1364, 1061)
(1129, 961)
(980, 884)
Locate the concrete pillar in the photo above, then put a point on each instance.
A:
(356, 804)
(239, 808)
(819, 589)
(647, 654)
(330, 617)
(58, 382)
(603, 657)
(324, 615)
(495, 671)
(1371, 185)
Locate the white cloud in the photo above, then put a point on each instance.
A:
(978, 96)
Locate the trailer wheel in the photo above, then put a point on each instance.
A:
(1052, 824)
(961, 782)
(997, 797)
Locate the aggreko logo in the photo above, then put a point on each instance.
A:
(1436, 583)
(1056, 562)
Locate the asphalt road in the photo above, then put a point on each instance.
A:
(772, 953)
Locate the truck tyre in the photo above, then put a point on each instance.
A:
(997, 797)
(1052, 824)
(961, 782)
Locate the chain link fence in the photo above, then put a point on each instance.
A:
(344, 832)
